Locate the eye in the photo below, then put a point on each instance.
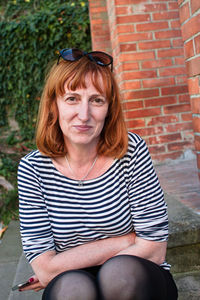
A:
(71, 99)
(98, 101)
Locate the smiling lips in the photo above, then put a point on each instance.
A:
(82, 128)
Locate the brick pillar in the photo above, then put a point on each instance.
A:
(99, 26)
(147, 46)
(190, 26)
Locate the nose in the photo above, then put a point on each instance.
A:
(84, 112)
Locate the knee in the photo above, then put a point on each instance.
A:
(71, 285)
(122, 277)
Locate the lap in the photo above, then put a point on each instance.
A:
(158, 282)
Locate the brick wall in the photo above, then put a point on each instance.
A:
(146, 43)
(190, 26)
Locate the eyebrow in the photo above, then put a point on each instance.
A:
(74, 93)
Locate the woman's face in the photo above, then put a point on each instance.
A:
(82, 114)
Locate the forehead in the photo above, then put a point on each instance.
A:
(88, 82)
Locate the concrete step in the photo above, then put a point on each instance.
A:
(188, 284)
(183, 254)
(183, 251)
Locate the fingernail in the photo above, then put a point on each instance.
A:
(31, 279)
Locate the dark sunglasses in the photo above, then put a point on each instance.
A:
(98, 57)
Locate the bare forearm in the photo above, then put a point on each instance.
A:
(49, 264)
(154, 251)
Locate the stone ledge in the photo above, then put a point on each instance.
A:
(184, 224)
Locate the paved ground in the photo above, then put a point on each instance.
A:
(178, 180)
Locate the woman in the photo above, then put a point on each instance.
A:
(93, 219)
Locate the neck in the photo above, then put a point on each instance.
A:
(81, 155)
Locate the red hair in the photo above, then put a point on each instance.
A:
(49, 138)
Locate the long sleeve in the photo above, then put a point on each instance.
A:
(148, 208)
(35, 227)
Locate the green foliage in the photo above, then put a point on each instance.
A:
(9, 199)
(31, 33)
(9, 210)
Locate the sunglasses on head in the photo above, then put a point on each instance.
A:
(100, 58)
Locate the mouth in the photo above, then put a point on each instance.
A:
(82, 128)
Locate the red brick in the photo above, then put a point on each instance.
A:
(177, 108)
(125, 57)
(197, 44)
(181, 80)
(99, 9)
(128, 47)
(179, 60)
(186, 117)
(195, 5)
(195, 105)
(189, 49)
(157, 82)
(134, 37)
(165, 138)
(172, 71)
(191, 27)
(179, 127)
(139, 75)
(193, 66)
(130, 85)
(180, 2)
(178, 146)
(133, 19)
(157, 63)
(163, 120)
(141, 94)
(172, 6)
(141, 113)
(121, 10)
(97, 21)
(168, 34)
(163, 157)
(154, 45)
(196, 124)
(125, 2)
(175, 24)
(197, 144)
(194, 85)
(134, 104)
(174, 90)
(169, 15)
(170, 53)
(130, 66)
(156, 149)
(153, 131)
(154, 7)
(177, 43)
(184, 12)
(152, 26)
(100, 28)
(160, 101)
(149, 131)
(125, 28)
(96, 3)
(135, 123)
(184, 98)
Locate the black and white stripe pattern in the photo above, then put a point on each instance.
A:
(56, 213)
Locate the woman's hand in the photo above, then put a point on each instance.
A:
(34, 285)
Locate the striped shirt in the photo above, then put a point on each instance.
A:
(58, 214)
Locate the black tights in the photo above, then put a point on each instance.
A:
(122, 277)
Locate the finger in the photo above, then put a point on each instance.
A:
(31, 286)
